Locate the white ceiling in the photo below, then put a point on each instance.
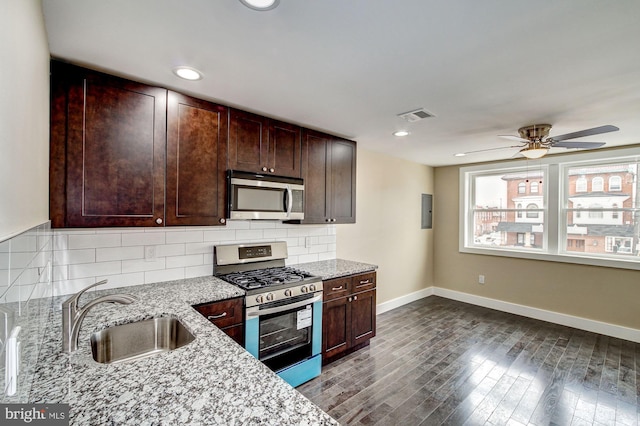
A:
(348, 67)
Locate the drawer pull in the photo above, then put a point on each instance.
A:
(212, 317)
(355, 297)
(336, 288)
(364, 282)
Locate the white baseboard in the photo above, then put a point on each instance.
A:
(403, 300)
(599, 327)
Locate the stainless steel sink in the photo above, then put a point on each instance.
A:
(138, 340)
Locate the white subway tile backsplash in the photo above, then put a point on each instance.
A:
(94, 240)
(164, 275)
(170, 250)
(183, 261)
(68, 257)
(199, 271)
(199, 248)
(85, 270)
(185, 237)
(219, 235)
(143, 238)
(128, 266)
(119, 253)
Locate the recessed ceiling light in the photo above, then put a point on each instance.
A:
(460, 154)
(187, 73)
(401, 133)
(261, 4)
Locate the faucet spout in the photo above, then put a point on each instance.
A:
(72, 315)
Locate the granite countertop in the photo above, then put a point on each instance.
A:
(210, 381)
(335, 268)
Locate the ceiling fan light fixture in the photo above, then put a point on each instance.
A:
(534, 153)
(401, 133)
(261, 5)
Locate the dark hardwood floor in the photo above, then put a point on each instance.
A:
(437, 361)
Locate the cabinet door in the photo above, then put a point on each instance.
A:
(284, 149)
(196, 161)
(363, 316)
(342, 181)
(248, 142)
(336, 327)
(115, 134)
(314, 173)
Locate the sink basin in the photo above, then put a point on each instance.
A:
(136, 340)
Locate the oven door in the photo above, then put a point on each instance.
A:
(282, 336)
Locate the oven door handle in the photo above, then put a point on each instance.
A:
(255, 311)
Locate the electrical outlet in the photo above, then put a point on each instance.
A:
(480, 279)
(150, 253)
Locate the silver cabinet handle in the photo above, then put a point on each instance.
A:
(159, 221)
(212, 317)
(264, 169)
(365, 282)
(355, 297)
(272, 170)
(223, 220)
(336, 288)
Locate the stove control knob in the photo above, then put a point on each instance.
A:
(312, 287)
(304, 289)
(287, 292)
(260, 299)
(269, 296)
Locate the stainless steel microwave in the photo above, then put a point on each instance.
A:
(257, 196)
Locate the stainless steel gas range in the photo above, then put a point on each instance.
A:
(283, 308)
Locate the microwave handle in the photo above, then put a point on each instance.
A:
(289, 200)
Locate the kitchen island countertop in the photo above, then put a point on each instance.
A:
(210, 381)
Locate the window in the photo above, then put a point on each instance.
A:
(595, 211)
(566, 217)
(597, 184)
(532, 214)
(615, 183)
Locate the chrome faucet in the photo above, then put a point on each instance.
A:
(72, 316)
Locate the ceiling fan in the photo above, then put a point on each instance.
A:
(535, 142)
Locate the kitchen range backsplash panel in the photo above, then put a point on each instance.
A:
(133, 256)
(25, 303)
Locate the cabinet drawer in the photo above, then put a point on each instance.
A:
(363, 282)
(224, 313)
(338, 287)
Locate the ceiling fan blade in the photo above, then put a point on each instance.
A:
(587, 132)
(514, 138)
(490, 149)
(578, 144)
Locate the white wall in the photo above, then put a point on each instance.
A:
(24, 117)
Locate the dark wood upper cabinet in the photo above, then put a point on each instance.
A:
(262, 145)
(329, 173)
(196, 161)
(108, 139)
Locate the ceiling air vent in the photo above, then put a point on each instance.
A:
(416, 115)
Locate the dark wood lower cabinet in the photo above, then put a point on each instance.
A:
(348, 321)
(228, 315)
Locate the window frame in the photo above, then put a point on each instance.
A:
(555, 212)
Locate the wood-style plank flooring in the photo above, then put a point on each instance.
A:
(437, 361)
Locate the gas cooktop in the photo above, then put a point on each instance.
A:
(267, 277)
